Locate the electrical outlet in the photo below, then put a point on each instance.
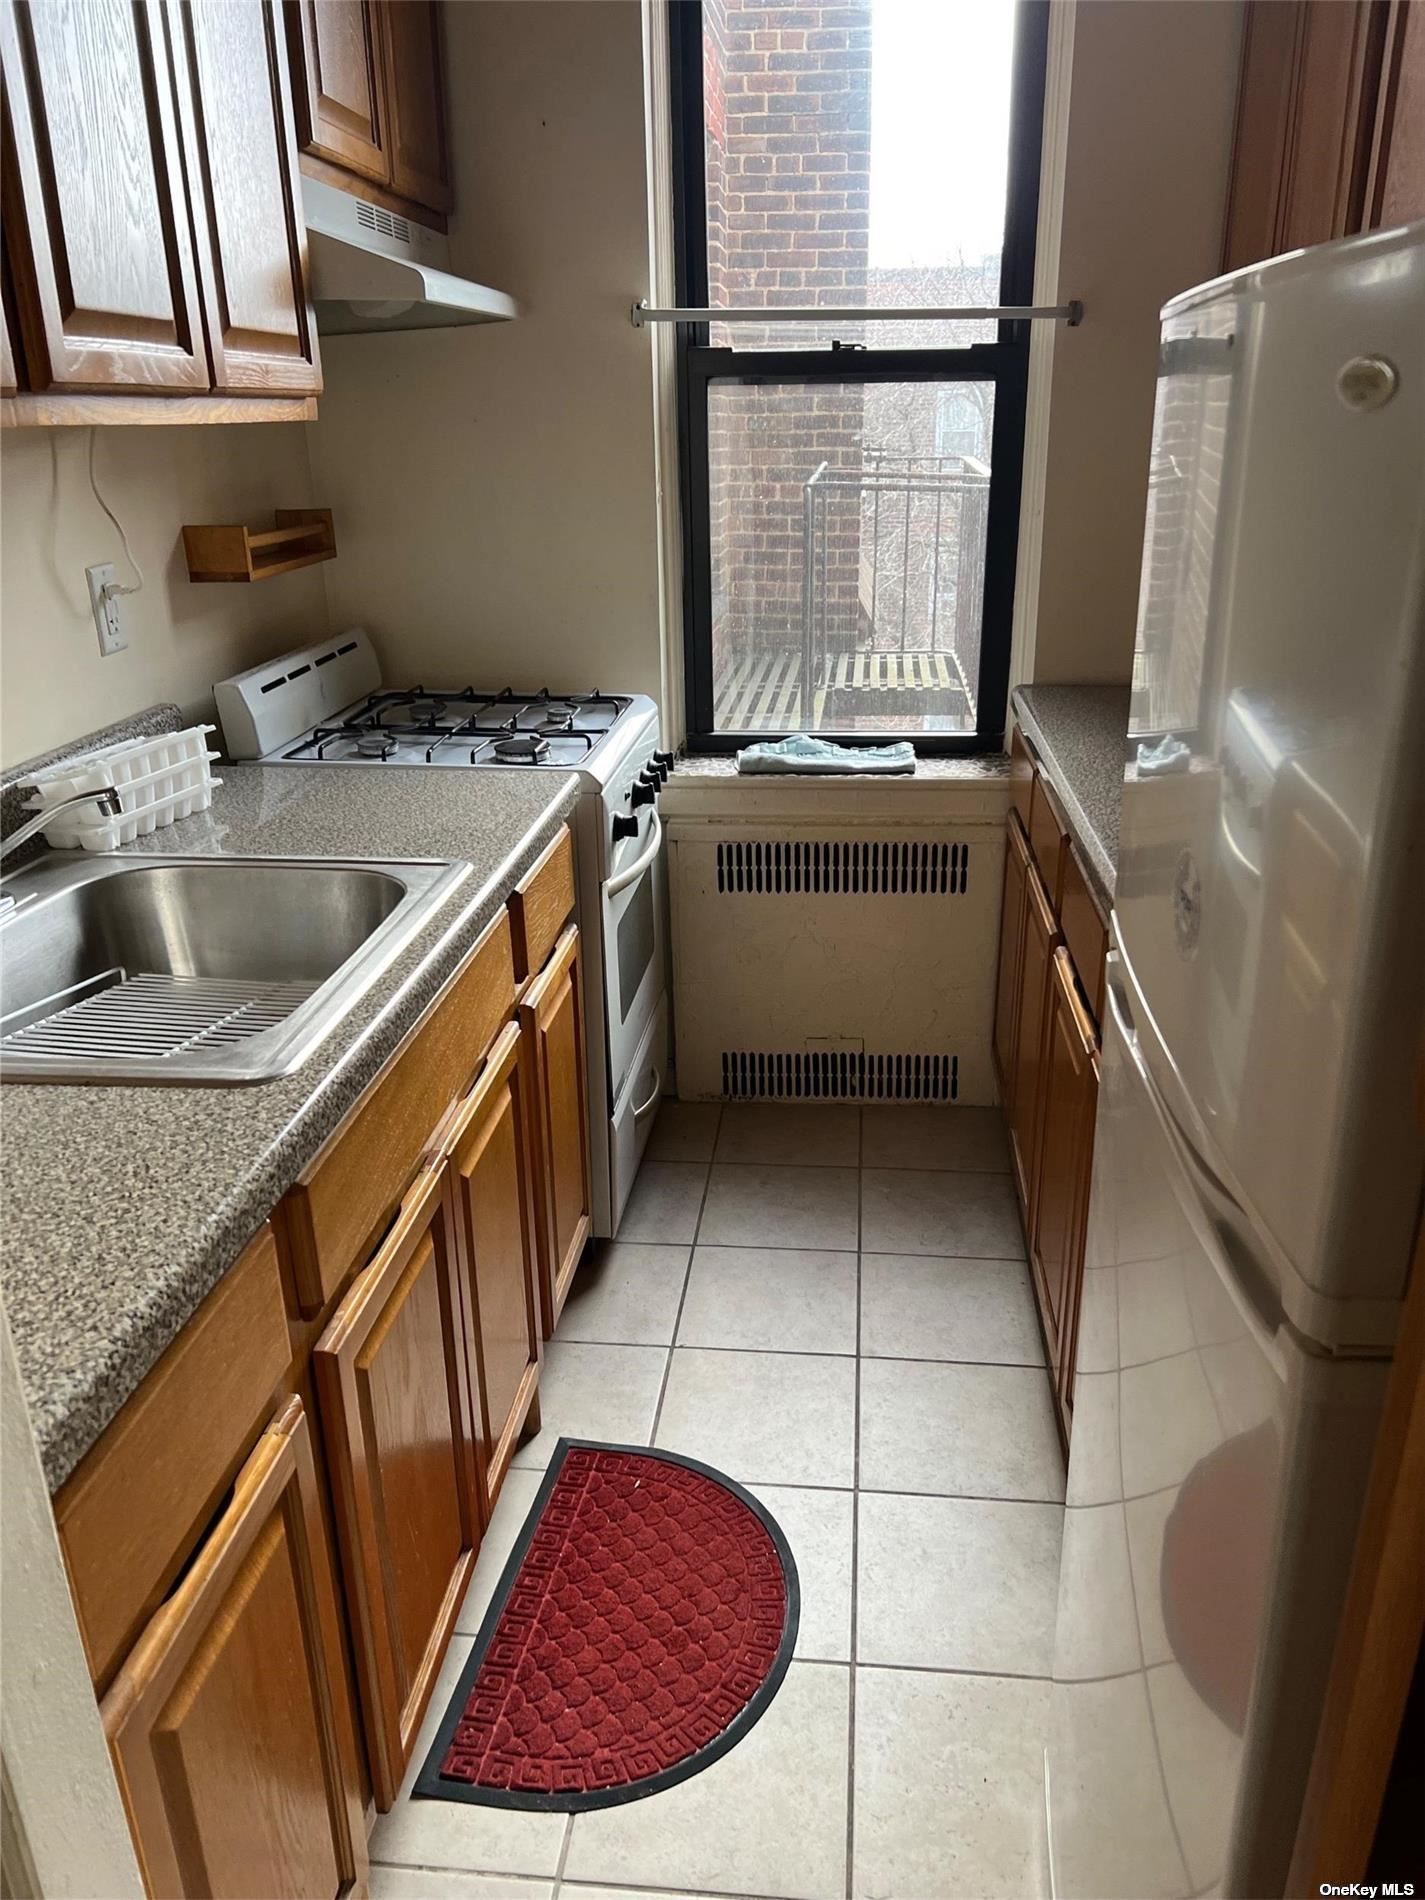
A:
(107, 619)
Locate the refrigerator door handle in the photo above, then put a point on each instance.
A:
(1209, 1206)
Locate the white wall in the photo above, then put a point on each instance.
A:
(54, 685)
(494, 486)
(1144, 156)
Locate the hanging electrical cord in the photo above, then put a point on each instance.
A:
(111, 588)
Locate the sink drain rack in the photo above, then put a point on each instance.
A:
(148, 1017)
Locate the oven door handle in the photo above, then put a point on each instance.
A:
(648, 1107)
(630, 873)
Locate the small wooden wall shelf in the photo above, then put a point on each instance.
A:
(297, 538)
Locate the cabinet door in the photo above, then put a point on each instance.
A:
(1070, 1085)
(9, 378)
(415, 102)
(391, 1373)
(335, 49)
(242, 166)
(96, 216)
(1397, 183)
(489, 1167)
(229, 1723)
(1011, 949)
(552, 1012)
(1041, 940)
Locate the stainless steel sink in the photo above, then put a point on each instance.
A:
(195, 970)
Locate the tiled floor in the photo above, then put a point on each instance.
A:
(831, 1305)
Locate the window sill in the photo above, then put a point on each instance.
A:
(961, 790)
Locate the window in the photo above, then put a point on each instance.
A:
(851, 488)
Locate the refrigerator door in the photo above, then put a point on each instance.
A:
(1271, 860)
(1215, 1474)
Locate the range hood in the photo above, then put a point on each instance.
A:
(372, 269)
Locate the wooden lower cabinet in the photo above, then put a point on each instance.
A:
(1011, 946)
(552, 1015)
(1040, 939)
(489, 1178)
(392, 1380)
(1064, 1159)
(228, 1721)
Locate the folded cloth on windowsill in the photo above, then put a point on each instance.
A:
(801, 753)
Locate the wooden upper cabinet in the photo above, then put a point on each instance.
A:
(1011, 948)
(552, 1014)
(229, 1723)
(415, 102)
(1070, 1086)
(487, 1144)
(96, 215)
(1329, 136)
(238, 134)
(392, 1381)
(336, 52)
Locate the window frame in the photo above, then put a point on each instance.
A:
(1003, 362)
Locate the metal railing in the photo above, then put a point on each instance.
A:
(914, 528)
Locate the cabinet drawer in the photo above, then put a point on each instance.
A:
(1021, 776)
(542, 903)
(1085, 932)
(1048, 838)
(339, 1208)
(129, 1515)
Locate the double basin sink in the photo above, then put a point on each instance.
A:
(221, 971)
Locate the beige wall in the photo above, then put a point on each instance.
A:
(54, 684)
(494, 486)
(1145, 155)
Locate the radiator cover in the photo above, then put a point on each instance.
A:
(835, 963)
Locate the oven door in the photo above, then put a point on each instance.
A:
(631, 900)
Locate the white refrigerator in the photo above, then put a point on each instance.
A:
(1258, 1160)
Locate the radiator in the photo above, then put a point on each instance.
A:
(841, 963)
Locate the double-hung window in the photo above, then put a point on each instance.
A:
(850, 487)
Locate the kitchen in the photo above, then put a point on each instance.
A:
(791, 1127)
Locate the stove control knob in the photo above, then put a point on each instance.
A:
(656, 771)
(624, 826)
(643, 793)
(664, 762)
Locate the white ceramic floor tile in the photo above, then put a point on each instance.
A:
(1097, 1623)
(949, 1786)
(771, 1299)
(664, 1204)
(457, 1834)
(1094, 1465)
(1145, 1519)
(1202, 1759)
(684, 1131)
(1168, 1421)
(625, 1293)
(516, 1500)
(780, 1207)
(926, 1137)
(1103, 1759)
(1153, 1317)
(957, 1583)
(763, 1418)
(1096, 1346)
(428, 1883)
(769, 1818)
(581, 1890)
(929, 1306)
(819, 1526)
(906, 1210)
(806, 1134)
(960, 1431)
(603, 1392)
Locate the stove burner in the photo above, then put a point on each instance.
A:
(375, 743)
(525, 745)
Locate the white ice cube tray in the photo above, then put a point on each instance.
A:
(158, 782)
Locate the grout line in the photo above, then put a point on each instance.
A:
(946, 1669)
(563, 1856)
(855, 1523)
(683, 1296)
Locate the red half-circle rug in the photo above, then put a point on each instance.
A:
(643, 1623)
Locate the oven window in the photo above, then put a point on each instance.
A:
(635, 943)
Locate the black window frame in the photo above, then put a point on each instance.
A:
(1003, 362)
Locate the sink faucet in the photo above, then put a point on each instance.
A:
(104, 796)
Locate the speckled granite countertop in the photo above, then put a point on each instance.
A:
(123, 1207)
(1080, 734)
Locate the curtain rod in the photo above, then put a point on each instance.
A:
(1070, 313)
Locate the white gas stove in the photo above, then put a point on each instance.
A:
(326, 705)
